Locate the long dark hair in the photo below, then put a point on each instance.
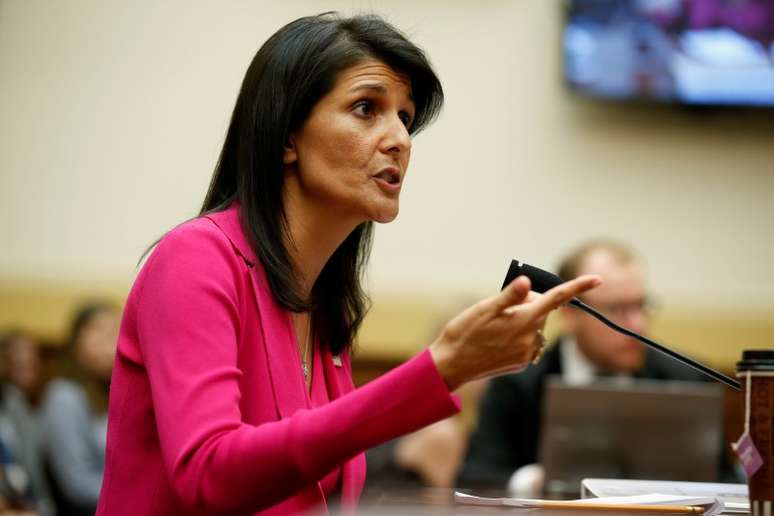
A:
(297, 66)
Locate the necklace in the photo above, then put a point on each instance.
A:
(304, 351)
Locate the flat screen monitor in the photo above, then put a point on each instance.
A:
(701, 52)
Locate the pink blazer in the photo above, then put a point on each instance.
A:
(208, 409)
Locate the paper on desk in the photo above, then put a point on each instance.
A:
(712, 506)
(621, 487)
(733, 496)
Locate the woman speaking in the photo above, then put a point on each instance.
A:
(232, 391)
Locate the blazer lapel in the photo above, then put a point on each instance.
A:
(280, 348)
(279, 341)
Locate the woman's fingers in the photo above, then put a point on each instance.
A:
(563, 293)
(515, 293)
(500, 334)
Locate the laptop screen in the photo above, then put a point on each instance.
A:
(640, 429)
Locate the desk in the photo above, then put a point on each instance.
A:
(440, 501)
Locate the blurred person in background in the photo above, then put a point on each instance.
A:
(503, 448)
(74, 410)
(10, 502)
(23, 483)
(17, 495)
(22, 366)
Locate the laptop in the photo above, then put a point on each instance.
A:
(638, 429)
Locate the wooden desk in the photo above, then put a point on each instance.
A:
(440, 501)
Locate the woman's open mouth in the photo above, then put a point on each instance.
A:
(388, 180)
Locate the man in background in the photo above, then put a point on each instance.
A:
(503, 449)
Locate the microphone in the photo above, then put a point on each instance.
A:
(543, 281)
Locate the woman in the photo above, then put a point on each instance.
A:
(232, 388)
(74, 411)
(21, 378)
(21, 365)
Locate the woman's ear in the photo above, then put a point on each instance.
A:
(289, 155)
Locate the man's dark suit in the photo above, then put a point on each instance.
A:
(507, 436)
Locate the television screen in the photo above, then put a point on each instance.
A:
(692, 51)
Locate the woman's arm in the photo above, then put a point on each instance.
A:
(188, 321)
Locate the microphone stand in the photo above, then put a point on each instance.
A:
(544, 280)
(716, 375)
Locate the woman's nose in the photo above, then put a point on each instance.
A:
(397, 139)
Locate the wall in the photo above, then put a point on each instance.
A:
(113, 114)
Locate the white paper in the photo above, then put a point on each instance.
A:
(733, 496)
(652, 499)
(619, 487)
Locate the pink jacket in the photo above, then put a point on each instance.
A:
(208, 409)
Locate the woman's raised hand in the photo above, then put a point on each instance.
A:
(500, 334)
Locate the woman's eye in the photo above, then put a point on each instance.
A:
(364, 108)
(405, 118)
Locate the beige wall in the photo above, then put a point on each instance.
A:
(113, 114)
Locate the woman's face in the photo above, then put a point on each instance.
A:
(24, 364)
(96, 343)
(351, 154)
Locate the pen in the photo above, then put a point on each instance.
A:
(663, 509)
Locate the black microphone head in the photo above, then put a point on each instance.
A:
(541, 280)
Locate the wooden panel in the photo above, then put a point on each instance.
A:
(399, 327)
